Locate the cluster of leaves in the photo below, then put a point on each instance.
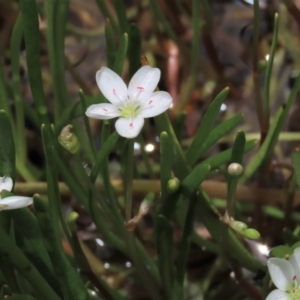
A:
(32, 261)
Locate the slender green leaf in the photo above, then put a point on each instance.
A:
(164, 246)
(266, 103)
(30, 241)
(210, 218)
(271, 139)
(224, 157)
(70, 283)
(166, 160)
(238, 148)
(7, 147)
(208, 214)
(56, 12)
(107, 14)
(217, 133)
(191, 182)
(121, 13)
(296, 163)
(32, 43)
(110, 44)
(25, 268)
(105, 150)
(134, 49)
(121, 54)
(205, 128)
(184, 248)
(15, 45)
(75, 110)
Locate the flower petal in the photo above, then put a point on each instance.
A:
(277, 295)
(281, 272)
(6, 183)
(14, 202)
(103, 111)
(111, 85)
(129, 128)
(143, 83)
(156, 104)
(295, 262)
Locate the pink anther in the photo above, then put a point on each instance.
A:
(130, 124)
(114, 91)
(105, 109)
(140, 88)
(150, 102)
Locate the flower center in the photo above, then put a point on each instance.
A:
(130, 109)
(294, 290)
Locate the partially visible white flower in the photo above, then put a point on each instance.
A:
(131, 104)
(11, 202)
(285, 275)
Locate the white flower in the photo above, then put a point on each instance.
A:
(285, 275)
(131, 104)
(11, 202)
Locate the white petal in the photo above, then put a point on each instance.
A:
(156, 104)
(277, 295)
(6, 183)
(295, 262)
(103, 111)
(143, 83)
(14, 202)
(281, 272)
(129, 128)
(111, 85)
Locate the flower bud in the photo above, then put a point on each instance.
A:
(238, 226)
(173, 185)
(251, 234)
(235, 169)
(68, 139)
(72, 218)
